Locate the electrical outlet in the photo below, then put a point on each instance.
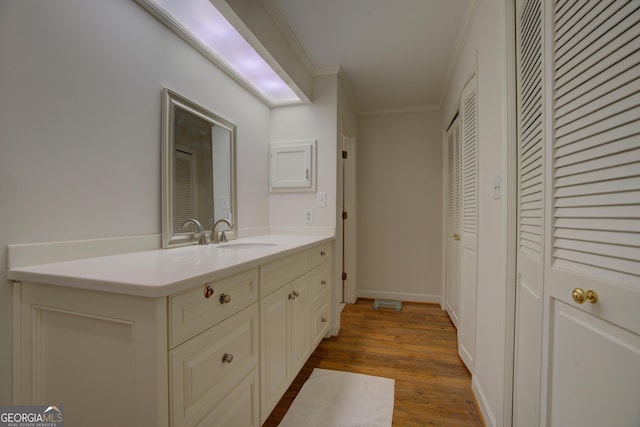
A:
(308, 216)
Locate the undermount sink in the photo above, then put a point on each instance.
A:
(246, 245)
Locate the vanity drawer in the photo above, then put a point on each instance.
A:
(320, 321)
(321, 254)
(278, 273)
(239, 408)
(204, 369)
(321, 278)
(193, 311)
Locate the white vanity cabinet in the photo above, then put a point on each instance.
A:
(289, 331)
(214, 330)
(220, 353)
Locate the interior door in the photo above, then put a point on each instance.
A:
(469, 223)
(530, 249)
(591, 291)
(452, 291)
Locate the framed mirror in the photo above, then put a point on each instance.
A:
(198, 170)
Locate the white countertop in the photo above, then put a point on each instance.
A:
(162, 272)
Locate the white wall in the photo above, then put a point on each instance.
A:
(80, 127)
(303, 122)
(487, 43)
(399, 181)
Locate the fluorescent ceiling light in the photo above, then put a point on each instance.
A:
(208, 30)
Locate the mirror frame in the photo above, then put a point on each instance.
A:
(171, 100)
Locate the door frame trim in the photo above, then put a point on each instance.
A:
(510, 193)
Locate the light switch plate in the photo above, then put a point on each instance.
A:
(322, 199)
(497, 186)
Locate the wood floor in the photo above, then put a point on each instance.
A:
(416, 347)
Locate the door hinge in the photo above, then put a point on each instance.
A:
(344, 276)
(344, 154)
(345, 215)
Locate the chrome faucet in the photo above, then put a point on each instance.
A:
(199, 231)
(214, 232)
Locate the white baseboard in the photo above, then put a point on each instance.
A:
(485, 409)
(402, 296)
(25, 255)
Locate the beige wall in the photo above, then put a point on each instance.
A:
(399, 183)
(485, 48)
(319, 121)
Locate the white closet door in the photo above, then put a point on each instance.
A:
(452, 291)
(469, 223)
(530, 95)
(592, 350)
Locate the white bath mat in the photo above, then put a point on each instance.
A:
(342, 399)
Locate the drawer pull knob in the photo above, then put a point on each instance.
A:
(208, 290)
(324, 320)
(225, 298)
(292, 296)
(296, 294)
(227, 358)
(322, 253)
(323, 282)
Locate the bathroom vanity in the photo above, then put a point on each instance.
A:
(197, 335)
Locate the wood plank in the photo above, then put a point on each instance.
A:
(416, 346)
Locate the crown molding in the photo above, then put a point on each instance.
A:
(327, 71)
(346, 86)
(463, 36)
(289, 35)
(404, 110)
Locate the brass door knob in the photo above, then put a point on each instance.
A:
(580, 296)
(456, 236)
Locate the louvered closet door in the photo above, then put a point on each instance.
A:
(452, 291)
(593, 238)
(469, 223)
(530, 95)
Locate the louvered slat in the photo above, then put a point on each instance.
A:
(530, 153)
(470, 164)
(453, 204)
(596, 173)
(605, 52)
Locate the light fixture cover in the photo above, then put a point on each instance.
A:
(211, 29)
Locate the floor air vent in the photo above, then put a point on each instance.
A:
(385, 303)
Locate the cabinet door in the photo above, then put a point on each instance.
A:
(275, 344)
(301, 312)
(239, 408)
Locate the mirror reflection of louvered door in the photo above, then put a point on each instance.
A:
(591, 335)
(452, 281)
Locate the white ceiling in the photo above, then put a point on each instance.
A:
(395, 54)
